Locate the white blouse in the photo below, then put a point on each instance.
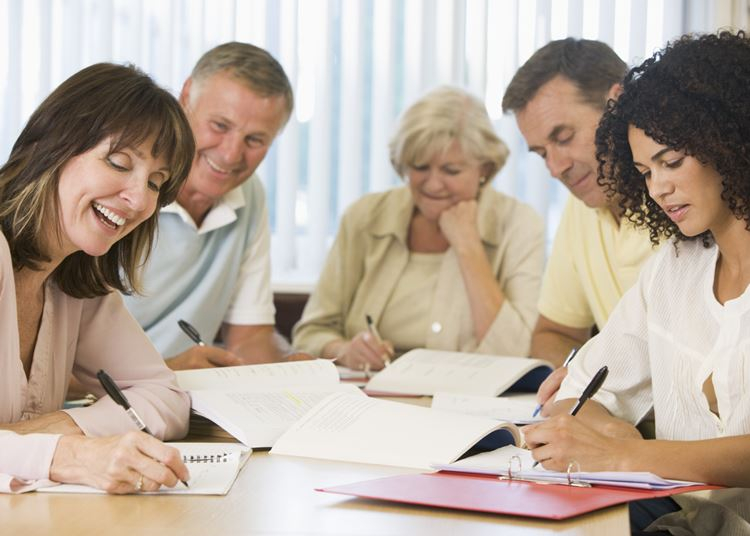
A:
(664, 339)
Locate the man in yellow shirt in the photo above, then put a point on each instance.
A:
(558, 97)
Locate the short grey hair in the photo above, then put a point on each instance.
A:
(439, 118)
(251, 65)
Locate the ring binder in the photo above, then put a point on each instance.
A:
(206, 458)
(573, 468)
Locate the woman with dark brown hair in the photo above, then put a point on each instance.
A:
(78, 202)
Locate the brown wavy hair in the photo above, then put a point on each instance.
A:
(101, 101)
(692, 97)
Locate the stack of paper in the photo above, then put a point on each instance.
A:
(500, 461)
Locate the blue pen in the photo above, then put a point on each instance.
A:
(565, 364)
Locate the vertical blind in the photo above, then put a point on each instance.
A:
(354, 64)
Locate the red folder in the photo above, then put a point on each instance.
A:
(483, 493)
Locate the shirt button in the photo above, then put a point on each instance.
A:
(436, 327)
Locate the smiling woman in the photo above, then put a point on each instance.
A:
(78, 200)
(446, 263)
(675, 151)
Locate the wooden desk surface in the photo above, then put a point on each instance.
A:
(274, 495)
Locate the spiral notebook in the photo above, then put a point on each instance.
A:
(213, 469)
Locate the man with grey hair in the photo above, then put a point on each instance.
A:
(211, 262)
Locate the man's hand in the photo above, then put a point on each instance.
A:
(203, 357)
(545, 396)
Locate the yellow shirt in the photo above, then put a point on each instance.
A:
(593, 262)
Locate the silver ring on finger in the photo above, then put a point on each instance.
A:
(139, 483)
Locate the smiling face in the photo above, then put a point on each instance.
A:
(444, 180)
(233, 128)
(560, 127)
(104, 195)
(688, 191)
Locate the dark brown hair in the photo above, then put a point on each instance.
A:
(591, 65)
(101, 101)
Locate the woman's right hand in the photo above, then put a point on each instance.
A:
(121, 464)
(363, 352)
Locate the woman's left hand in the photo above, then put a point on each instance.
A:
(459, 223)
(563, 439)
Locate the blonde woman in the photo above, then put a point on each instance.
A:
(444, 262)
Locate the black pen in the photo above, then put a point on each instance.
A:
(565, 364)
(590, 390)
(110, 387)
(375, 333)
(191, 332)
(115, 394)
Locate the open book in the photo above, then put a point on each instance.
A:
(213, 469)
(425, 372)
(519, 463)
(257, 403)
(354, 428)
(518, 408)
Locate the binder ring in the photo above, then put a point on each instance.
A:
(510, 466)
(573, 467)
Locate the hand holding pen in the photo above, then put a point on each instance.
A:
(388, 354)
(550, 385)
(201, 355)
(114, 392)
(590, 390)
(365, 351)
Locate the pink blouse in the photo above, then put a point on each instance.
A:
(78, 336)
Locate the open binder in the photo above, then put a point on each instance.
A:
(511, 496)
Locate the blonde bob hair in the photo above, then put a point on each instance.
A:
(442, 116)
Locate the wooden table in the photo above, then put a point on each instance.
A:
(274, 495)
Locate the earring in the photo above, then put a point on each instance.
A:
(482, 181)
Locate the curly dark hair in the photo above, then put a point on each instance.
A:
(694, 97)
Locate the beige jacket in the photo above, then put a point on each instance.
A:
(371, 251)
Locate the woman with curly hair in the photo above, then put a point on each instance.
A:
(675, 149)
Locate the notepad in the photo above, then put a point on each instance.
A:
(518, 462)
(213, 469)
(426, 372)
(258, 403)
(356, 428)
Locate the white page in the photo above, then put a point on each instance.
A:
(367, 430)
(425, 372)
(257, 419)
(260, 377)
(515, 409)
(213, 469)
(497, 462)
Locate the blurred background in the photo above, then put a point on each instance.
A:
(354, 64)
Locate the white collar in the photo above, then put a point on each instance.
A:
(221, 214)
